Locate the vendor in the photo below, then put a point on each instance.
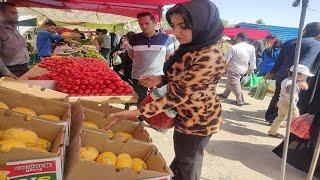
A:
(13, 47)
(192, 75)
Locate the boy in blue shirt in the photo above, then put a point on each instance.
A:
(45, 38)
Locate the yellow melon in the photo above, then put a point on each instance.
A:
(88, 153)
(4, 174)
(107, 158)
(44, 144)
(123, 161)
(138, 165)
(123, 136)
(7, 145)
(1, 133)
(25, 136)
(3, 106)
(22, 110)
(50, 117)
(109, 134)
(90, 125)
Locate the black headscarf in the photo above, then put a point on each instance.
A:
(206, 25)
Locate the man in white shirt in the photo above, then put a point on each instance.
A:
(241, 59)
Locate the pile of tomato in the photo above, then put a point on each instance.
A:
(83, 77)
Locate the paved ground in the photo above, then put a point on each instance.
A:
(242, 150)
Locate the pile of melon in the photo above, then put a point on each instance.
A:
(121, 161)
(124, 136)
(22, 138)
(30, 113)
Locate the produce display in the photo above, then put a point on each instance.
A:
(120, 135)
(3, 106)
(121, 161)
(22, 110)
(83, 77)
(23, 138)
(30, 113)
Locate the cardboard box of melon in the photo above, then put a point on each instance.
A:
(30, 149)
(33, 107)
(124, 130)
(93, 155)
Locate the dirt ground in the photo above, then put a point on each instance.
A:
(242, 150)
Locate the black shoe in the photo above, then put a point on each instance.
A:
(222, 96)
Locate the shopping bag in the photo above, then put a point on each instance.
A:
(116, 59)
(262, 89)
(254, 80)
(245, 80)
(300, 126)
(163, 120)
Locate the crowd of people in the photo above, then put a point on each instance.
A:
(191, 72)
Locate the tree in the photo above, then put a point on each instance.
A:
(260, 21)
(226, 23)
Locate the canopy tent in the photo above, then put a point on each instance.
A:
(75, 16)
(128, 8)
(282, 33)
(253, 34)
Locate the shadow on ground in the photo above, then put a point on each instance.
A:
(254, 156)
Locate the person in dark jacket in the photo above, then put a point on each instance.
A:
(301, 151)
(310, 48)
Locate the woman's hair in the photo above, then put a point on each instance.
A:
(312, 29)
(183, 13)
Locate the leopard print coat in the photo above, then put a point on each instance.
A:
(192, 83)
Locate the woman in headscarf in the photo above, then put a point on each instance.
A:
(191, 75)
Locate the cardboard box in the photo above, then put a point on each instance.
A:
(35, 71)
(37, 88)
(84, 170)
(19, 157)
(35, 169)
(102, 107)
(39, 105)
(138, 132)
(38, 71)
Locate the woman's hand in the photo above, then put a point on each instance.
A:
(124, 115)
(150, 81)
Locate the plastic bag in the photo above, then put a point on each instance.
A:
(262, 89)
(300, 126)
(254, 80)
(116, 59)
(245, 80)
(163, 120)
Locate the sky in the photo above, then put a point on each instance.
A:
(273, 12)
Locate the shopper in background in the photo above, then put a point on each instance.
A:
(13, 47)
(310, 48)
(284, 100)
(269, 57)
(192, 75)
(47, 35)
(105, 45)
(148, 50)
(241, 60)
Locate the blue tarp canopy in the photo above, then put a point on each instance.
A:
(282, 33)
